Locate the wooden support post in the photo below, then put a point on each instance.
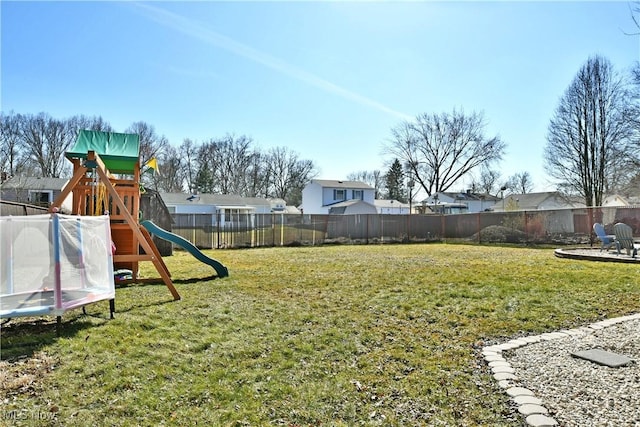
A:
(156, 252)
(73, 182)
(133, 223)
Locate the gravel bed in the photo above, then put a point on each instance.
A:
(578, 392)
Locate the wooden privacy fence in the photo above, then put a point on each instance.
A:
(559, 227)
(8, 208)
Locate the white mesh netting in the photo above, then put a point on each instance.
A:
(52, 263)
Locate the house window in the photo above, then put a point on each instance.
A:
(41, 197)
(339, 194)
(358, 194)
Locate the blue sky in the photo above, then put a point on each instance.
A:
(327, 80)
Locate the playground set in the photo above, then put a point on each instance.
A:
(53, 263)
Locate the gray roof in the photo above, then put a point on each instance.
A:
(342, 184)
(387, 203)
(467, 196)
(347, 203)
(213, 199)
(34, 183)
(342, 207)
(533, 200)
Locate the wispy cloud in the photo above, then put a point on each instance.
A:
(196, 30)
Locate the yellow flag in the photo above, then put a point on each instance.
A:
(153, 164)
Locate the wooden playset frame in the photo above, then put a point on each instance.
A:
(123, 206)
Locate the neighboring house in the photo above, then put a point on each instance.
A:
(560, 217)
(229, 208)
(352, 207)
(391, 207)
(455, 203)
(280, 206)
(319, 196)
(615, 200)
(292, 210)
(34, 190)
(538, 201)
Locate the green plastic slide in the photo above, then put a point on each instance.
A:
(221, 270)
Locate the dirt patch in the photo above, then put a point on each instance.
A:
(24, 376)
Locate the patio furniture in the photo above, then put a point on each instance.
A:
(607, 240)
(624, 239)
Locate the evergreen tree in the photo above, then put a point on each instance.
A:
(394, 180)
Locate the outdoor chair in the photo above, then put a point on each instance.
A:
(624, 239)
(607, 240)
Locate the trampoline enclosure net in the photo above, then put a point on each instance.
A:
(68, 257)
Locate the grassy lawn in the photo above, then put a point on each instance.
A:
(342, 335)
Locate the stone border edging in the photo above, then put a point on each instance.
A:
(531, 407)
(593, 254)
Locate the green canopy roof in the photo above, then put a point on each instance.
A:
(119, 151)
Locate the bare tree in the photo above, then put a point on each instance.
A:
(12, 157)
(635, 78)
(635, 16)
(188, 152)
(235, 159)
(635, 106)
(288, 174)
(520, 183)
(487, 183)
(259, 176)
(171, 174)
(588, 140)
(440, 149)
(36, 144)
(224, 165)
(151, 144)
(374, 178)
(77, 123)
(46, 140)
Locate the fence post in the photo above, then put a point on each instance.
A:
(193, 232)
(218, 228)
(591, 221)
(366, 233)
(281, 229)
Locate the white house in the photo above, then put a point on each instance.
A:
(463, 202)
(229, 208)
(538, 201)
(391, 207)
(319, 196)
(615, 200)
